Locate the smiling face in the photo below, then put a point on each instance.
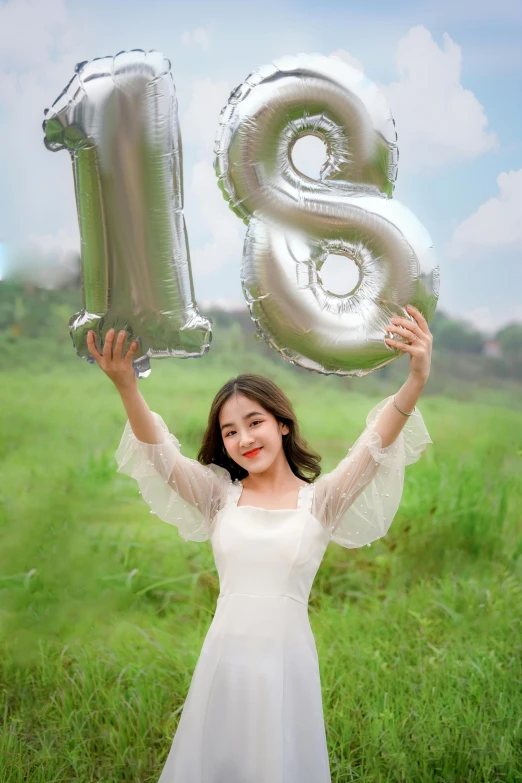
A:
(251, 435)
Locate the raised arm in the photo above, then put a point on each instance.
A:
(393, 418)
(357, 501)
(178, 489)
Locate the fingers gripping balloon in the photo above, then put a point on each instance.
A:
(295, 222)
(118, 119)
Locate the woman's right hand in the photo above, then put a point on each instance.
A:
(115, 366)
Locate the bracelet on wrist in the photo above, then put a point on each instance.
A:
(403, 412)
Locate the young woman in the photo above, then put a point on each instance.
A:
(253, 713)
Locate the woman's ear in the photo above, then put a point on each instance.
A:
(284, 428)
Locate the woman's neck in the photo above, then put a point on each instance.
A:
(276, 479)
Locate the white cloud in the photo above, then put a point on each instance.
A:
(348, 58)
(215, 218)
(309, 154)
(40, 23)
(38, 49)
(199, 123)
(496, 224)
(197, 37)
(438, 120)
(39, 45)
(209, 212)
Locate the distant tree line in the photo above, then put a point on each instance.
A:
(27, 311)
(459, 335)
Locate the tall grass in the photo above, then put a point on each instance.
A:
(103, 607)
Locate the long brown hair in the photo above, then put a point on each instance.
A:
(302, 460)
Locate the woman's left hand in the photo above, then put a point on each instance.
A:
(420, 337)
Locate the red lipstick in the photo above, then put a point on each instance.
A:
(252, 453)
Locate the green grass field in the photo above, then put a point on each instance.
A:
(103, 607)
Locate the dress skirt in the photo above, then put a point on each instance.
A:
(256, 688)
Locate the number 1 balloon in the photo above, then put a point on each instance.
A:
(118, 119)
(295, 222)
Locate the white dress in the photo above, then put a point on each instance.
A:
(253, 712)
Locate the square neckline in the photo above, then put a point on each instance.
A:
(239, 487)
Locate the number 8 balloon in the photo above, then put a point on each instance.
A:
(118, 119)
(295, 222)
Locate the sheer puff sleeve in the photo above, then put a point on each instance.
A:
(357, 501)
(178, 489)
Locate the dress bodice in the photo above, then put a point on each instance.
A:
(268, 552)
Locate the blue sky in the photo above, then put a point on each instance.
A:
(451, 71)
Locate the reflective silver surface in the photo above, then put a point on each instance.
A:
(295, 222)
(118, 119)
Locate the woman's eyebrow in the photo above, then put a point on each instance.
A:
(248, 416)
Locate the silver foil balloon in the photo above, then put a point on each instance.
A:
(295, 222)
(118, 119)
